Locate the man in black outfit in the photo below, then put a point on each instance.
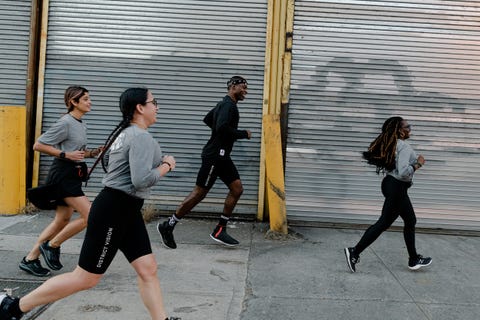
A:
(216, 162)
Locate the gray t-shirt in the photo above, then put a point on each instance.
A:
(132, 163)
(405, 157)
(67, 134)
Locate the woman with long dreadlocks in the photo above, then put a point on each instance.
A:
(115, 221)
(392, 155)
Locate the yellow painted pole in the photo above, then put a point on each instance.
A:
(273, 181)
(41, 87)
(287, 59)
(266, 101)
(282, 10)
(12, 158)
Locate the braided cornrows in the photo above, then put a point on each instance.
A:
(381, 152)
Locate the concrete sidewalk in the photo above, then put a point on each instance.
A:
(303, 276)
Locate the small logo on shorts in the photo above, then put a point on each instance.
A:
(222, 152)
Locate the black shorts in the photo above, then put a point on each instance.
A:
(115, 223)
(62, 173)
(211, 169)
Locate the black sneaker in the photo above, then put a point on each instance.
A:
(34, 267)
(5, 302)
(419, 262)
(219, 234)
(173, 318)
(352, 259)
(166, 231)
(51, 256)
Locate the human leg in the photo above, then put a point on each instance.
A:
(220, 234)
(137, 249)
(409, 219)
(149, 286)
(229, 175)
(415, 261)
(61, 219)
(51, 249)
(235, 191)
(205, 179)
(388, 216)
(195, 197)
(82, 206)
(59, 287)
(31, 262)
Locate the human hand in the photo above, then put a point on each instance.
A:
(421, 160)
(170, 160)
(95, 152)
(76, 155)
(249, 134)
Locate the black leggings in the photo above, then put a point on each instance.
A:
(397, 203)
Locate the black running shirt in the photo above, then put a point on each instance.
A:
(223, 120)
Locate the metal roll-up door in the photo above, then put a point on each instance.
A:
(184, 51)
(356, 63)
(14, 37)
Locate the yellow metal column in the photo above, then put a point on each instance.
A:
(12, 158)
(275, 95)
(40, 89)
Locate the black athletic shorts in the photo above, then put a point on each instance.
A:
(115, 223)
(211, 169)
(62, 173)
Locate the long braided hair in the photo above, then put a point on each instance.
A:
(128, 103)
(381, 152)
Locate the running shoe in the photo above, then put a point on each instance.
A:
(166, 231)
(419, 262)
(219, 234)
(352, 258)
(5, 303)
(34, 267)
(51, 256)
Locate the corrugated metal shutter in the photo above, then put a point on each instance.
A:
(14, 37)
(184, 51)
(356, 63)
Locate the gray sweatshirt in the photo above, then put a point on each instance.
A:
(67, 134)
(132, 164)
(405, 157)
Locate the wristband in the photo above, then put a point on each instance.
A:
(169, 165)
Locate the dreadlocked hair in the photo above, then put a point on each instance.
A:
(381, 152)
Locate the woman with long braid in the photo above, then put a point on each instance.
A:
(392, 155)
(115, 222)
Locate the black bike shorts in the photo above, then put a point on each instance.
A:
(115, 223)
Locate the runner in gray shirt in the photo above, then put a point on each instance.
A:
(115, 221)
(65, 140)
(391, 154)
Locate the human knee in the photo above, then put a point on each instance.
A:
(86, 281)
(61, 220)
(199, 194)
(410, 224)
(236, 190)
(89, 283)
(147, 270)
